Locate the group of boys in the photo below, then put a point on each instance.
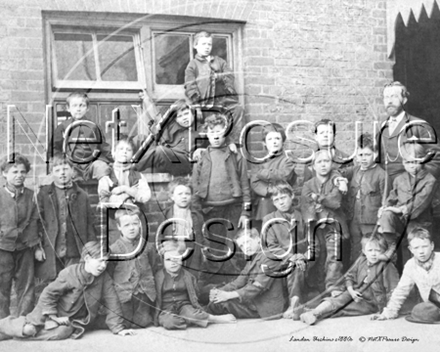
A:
(273, 272)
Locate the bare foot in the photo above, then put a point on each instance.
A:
(222, 319)
(29, 330)
(290, 312)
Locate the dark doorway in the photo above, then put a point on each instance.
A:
(417, 52)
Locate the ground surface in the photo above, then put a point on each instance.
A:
(255, 336)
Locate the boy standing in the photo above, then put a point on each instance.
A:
(19, 238)
(409, 202)
(209, 82)
(278, 167)
(134, 280)
(368, 188)
(221, 190)
(70, 304)
(423, 271)
(325, 131)
(177, 303)
(253, 294)
(82, 153)
(321, 202)
(66, 220)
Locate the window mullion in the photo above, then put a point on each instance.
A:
(96, 54)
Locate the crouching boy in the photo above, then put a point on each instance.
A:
(69, 305)
(254, 294)
(177, 303)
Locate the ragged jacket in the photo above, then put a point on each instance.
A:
(18, 236)
(381, 277)
(370, 188)
(255, 286)
(278, 168)
(237, 181)
(209, 81)
(416, 193)
(191, 286)
(132, 274)
(73, 289)
(80, 223)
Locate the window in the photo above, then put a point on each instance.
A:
(84, 58)
(114, 56)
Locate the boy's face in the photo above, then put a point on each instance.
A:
(249, 245)
(181, 196)
(77, 107)
(216, 136)
(204, 46)
(273, 142)
(95, 266)
(323, 164)
(62, 174)
(15, 175)
(372, 252)
(172, 262)
(283, 202)
(411, 165)
(129, 226)
(123, 153)
(324, 136)
(421, 249)
(185, 118)
(365, 158)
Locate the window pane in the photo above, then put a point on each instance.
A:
(116, 58)
(74, 56)
(172, 57)
(127, 114)
(220, 48)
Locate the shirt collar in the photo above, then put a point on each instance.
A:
(428, 264)
(399, 117)
(122, 167)
(15, 192)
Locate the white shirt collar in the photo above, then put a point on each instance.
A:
(400, 116)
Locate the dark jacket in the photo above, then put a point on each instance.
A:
(278, 168)
(124, 271)
(80, 224)
(237, 181)
(73, 289)
(82, 150)
(370, 184)
(196, 243)
(391, 159)
(191, 286)
(209, 81)
(278, 234)
(13, 235)
(381, 277)
(330, 198)
(256, 287)
(415, 193)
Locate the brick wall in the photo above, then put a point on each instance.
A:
(302, 60)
